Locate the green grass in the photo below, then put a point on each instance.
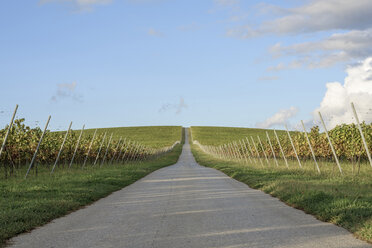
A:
(343, 200)
(151, 136)
(222, 135)
(26, 204)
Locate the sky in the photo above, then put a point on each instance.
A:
(111, 63)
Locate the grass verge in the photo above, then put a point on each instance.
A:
(345, 201)
(26, 204)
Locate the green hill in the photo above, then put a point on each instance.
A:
(223, 135)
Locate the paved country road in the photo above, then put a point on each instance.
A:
(187, 205)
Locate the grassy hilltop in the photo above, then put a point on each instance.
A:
(150, 136)
(222, 135)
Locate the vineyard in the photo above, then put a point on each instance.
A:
(28, 149)
(66, 170)
(344, 144)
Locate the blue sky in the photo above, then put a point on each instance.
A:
(132, 62)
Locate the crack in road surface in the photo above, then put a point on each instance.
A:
(187, 205)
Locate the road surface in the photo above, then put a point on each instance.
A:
(187, 205)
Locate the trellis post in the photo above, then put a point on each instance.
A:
(107, 148)
(8, 131)
(90, 147)
(330, 143)
(38, 146)
(294, 148)
(258, 154)
(361, 134)
(77, 146)
(60, 149)
(281, 149)
(272, 149)
(263, 150)
(250, 149)
(100, 148)
(311, 148)
(116, 150)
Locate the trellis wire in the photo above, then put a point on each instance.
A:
(8, 131)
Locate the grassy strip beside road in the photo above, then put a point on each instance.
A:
(344, 201)
(26, 204)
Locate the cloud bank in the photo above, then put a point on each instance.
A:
(345, 25)
(339, 47)
(357, 87)
(316, 16)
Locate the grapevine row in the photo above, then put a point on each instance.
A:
(345, 139)
(66, 149)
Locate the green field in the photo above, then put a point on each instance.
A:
(151, 136)
(343, 200)
(222, 135)
(26, 204)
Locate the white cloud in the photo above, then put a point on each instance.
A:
(320, 15)
(347, 23)
(66, 91)
(339, 47)
(153, 32)
(84, 5)
(317, 15)
(179, 107)
(335, 106)
(279, 118)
